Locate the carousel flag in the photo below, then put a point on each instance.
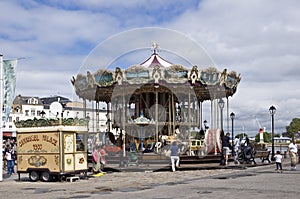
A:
(9, 76)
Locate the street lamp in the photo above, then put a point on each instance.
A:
(272, 110)
(232, 116)
(221, 105)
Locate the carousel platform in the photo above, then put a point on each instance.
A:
(151, 162)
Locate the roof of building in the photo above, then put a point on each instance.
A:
(22, 100)
(47, 101)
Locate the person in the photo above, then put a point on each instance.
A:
(222, 162)
(103, 154)
(278, 161)
(97, 165)
(226, 146)
(236, 148)
(4, 154)
(174, 155)
(9, 160)
(293, 150)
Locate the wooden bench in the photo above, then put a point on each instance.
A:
(263, 155)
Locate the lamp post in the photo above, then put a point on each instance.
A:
(232, 116)
(221, 106)
(272, 110)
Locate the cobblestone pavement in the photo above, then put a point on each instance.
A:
(253, 182)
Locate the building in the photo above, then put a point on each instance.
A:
(31, 107)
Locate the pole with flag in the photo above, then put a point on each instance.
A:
(7, 95)
(1, 116)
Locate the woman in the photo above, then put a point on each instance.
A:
(293, 150)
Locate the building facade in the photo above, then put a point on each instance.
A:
(33, 107)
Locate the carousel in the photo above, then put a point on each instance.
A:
(157, 101)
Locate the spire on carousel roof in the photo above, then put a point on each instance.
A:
(155, 59)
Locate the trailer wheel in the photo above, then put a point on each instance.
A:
(45, 176)
(34, 176)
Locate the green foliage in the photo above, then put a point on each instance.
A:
(241, 135)
(267, 137)
(196, 134)
(51, 122)
(293, 127)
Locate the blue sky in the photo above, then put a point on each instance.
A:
(259, 39)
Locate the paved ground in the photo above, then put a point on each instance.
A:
(230, 182)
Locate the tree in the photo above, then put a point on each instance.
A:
(242, 135)
(293, 127)
(267, 137)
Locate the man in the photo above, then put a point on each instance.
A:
(226, 146)
(293, 150)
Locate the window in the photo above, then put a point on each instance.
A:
(17, 119)
(10, 119)
(80, 142)
(26, 112)
(32, 112)
(32, 101)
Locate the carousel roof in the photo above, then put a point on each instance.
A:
(156, 73)
(154, 60)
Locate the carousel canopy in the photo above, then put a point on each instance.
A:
(156, 73)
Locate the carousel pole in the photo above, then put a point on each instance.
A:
(215, 123)
(211, 113)
(200, 114)
(107, 117)
(123, 124)
(227, 114)
(93, 116)
(170, 114)
(173, 113)
(97, 122)
(156, 117)
(189, 120)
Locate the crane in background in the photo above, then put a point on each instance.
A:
(261, 131)
(259, 125)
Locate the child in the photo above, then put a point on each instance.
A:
(278, 160)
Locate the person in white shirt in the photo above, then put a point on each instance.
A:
(293, 150)
(236, 146)
(278, 161)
